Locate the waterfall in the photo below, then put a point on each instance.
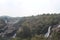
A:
(14, 35)
(5, 21)
(58, 26)
(48, 32)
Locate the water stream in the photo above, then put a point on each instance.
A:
(5, 21)
(14, 35)
(48, 32)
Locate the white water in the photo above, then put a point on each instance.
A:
(58, 26)
(47, 34)
(5, 21)
(14, 35)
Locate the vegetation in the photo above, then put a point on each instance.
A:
(35, 27)
(2, 23)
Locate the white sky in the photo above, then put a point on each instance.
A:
(28, 7)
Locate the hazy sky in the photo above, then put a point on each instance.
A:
(28, 7)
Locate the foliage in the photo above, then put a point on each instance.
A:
(33, 26)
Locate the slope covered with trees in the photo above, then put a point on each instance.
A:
(35, 27)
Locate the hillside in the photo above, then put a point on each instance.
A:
(40, 27)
